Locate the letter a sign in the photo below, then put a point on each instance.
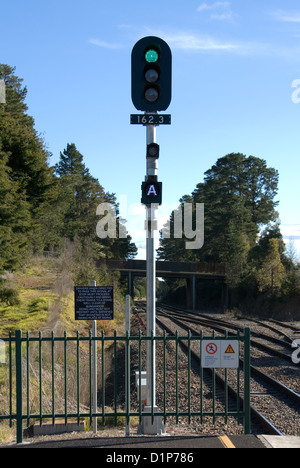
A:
(151, 192)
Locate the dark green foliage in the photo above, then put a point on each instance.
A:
(241, 228)
(41, 206)
(9, 296)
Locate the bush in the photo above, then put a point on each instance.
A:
(38, 305)
(9, 296)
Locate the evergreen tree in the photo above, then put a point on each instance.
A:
(26, 153)
(15, 220)
(271, 274)
(78, 195)
(24, 170)
(238, 194)
(71, 162)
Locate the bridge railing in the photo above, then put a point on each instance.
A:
(50, 378)
(166, 266)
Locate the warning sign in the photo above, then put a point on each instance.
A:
(230, 350)
(94, 303)
(220, 354)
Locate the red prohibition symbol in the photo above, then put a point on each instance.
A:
(211, 348)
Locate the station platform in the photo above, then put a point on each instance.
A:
(182, 444)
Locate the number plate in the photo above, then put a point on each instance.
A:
(150, 119)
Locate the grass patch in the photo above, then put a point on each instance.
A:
(29, 314)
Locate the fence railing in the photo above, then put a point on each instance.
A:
(49, 378)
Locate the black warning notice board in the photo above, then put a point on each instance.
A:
(94, 303)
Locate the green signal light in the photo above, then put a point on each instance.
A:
(151, 56)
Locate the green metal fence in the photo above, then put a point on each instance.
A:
(50, 378)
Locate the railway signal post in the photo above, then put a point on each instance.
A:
(151, 73)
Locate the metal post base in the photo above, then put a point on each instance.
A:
(157, 428)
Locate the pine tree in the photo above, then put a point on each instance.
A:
(26, 176)
(78, 195)
(71, 162)
(270, 276)
(238, 194)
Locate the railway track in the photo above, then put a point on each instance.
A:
(275, 406)
(259, 339)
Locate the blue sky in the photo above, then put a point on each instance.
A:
(234, 67)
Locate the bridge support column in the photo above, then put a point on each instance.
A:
(130, 284)
(191, 292)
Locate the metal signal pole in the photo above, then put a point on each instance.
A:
(152, 166)
(151, 424)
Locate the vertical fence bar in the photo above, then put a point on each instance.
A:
(165, 376)
(10, 378)
(115, 377)
(103, 378)
(247, 417)
(213, 376)
(53, 377)
(127, 365)
(226, 396)
(95, 372)
(189, 376)
(176, 371)
(66, 377)
(214, 388)
(226, 388)
(19, 386)
(201, 377)
(238, 401)
(140, 377)
(127, 383)
(90, 377)
(152, 375)
(28, 379)
(78, 378)
(40, 377)
(95, 384)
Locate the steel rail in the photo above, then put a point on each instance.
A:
(202, 319)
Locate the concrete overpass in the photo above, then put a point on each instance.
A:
(190, 271)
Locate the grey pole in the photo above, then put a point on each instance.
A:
(127, 365)
(151, 225)
(152, 165)
(94, 371)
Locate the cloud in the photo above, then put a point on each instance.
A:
(287, 17)
(192, 42)
(183, 40)
(104, 44)
(188, 41)
(218, 10)
(213, 6)
(290, 231)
